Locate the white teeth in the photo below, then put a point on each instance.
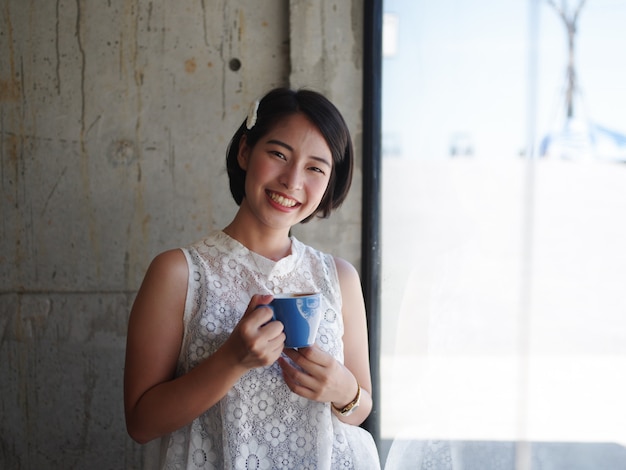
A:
(283, 201)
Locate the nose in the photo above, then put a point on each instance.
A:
(292, 178)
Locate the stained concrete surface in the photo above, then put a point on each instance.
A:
(114, 122)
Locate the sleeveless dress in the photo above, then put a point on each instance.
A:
(260, 423)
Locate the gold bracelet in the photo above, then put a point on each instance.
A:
(352, 406)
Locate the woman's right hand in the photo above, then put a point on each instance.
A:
(257, 341)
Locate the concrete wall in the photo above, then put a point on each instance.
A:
(114, 119)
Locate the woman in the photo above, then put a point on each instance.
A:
(206, 368)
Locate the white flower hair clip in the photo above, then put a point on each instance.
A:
(251, 121)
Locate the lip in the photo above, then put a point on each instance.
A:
(278, 200)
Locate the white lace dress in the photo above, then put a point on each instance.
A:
(260, 423)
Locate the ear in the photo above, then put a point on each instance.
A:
(244, 153)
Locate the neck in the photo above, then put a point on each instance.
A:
(273, 244)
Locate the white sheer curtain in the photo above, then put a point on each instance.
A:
(504, 313)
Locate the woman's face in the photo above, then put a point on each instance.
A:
(287, 172)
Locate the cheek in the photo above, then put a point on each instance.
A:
(254, 173)
(320, 188)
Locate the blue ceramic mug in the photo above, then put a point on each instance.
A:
(300, 314)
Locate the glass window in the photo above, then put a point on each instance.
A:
(503, 234)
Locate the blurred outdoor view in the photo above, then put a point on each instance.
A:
(504, 224)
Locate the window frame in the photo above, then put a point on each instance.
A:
(371, 196)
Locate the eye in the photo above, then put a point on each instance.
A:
(317, 170)
(278, 154)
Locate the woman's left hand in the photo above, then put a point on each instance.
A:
(318, 376)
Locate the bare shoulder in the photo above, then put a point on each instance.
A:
(350, 285)
(170, 265)
(346, 271)
(164, 287)
(155, 326)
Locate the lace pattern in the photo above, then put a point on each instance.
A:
(260, 423)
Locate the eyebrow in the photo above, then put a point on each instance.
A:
(290, 148)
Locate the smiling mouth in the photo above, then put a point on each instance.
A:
(281, 200)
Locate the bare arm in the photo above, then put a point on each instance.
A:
(355, 341)
(155, 402)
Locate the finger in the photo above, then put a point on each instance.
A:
(292, 354)
(257, 301)
(274, 330)
(277, 344)
(297, 360)
(296, 373)
(258, 309)
(298, 381)
(290, 373)
(309, 358)
(263, 315)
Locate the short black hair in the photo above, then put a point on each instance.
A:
(276, 106)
